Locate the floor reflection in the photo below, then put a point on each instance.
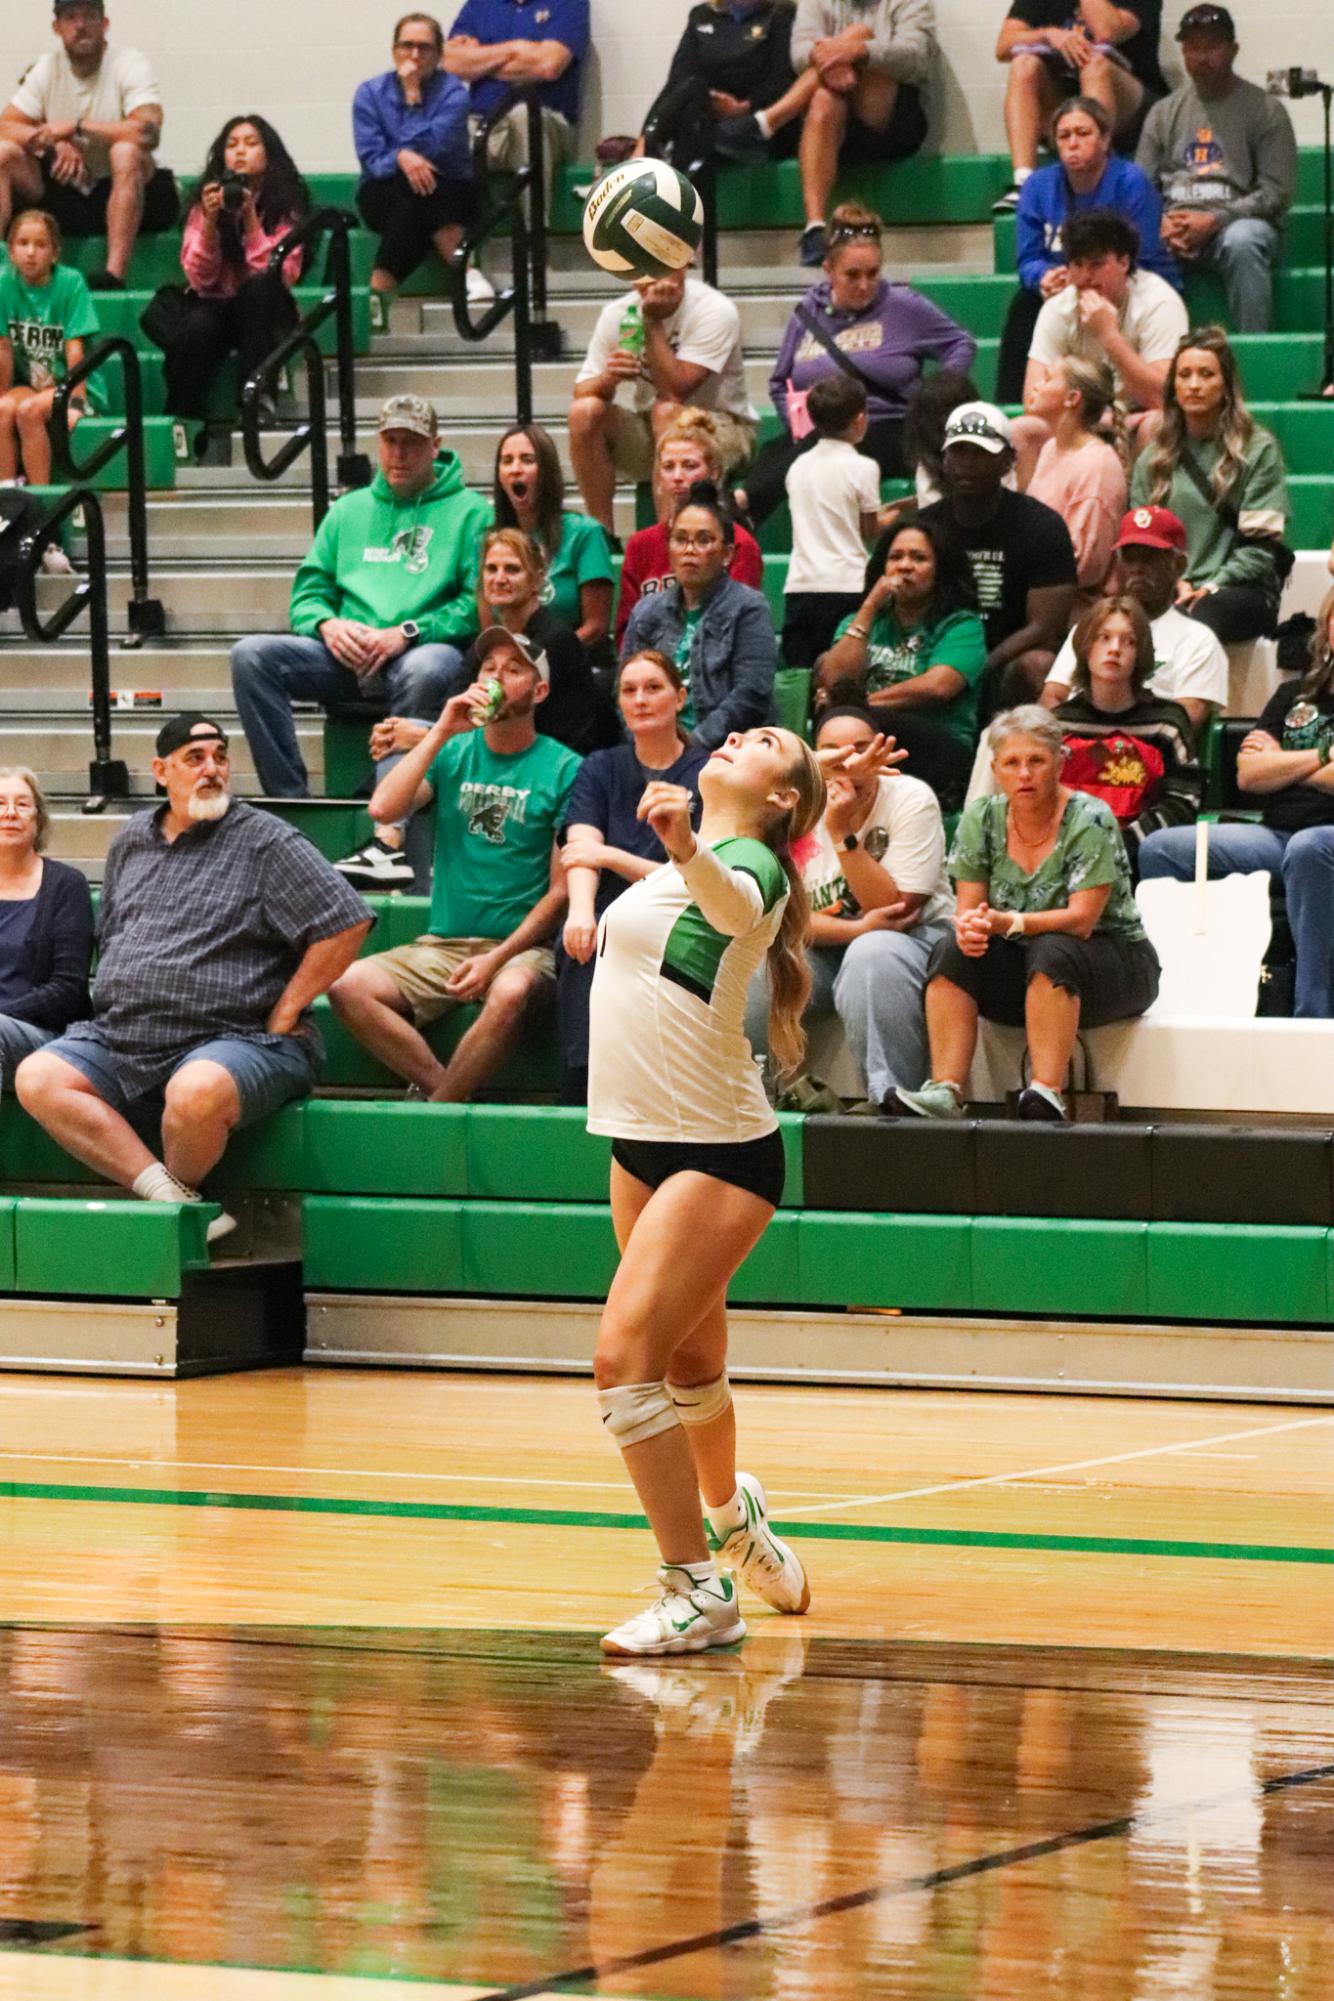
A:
(772, 1824)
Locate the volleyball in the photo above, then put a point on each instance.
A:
(643, 219)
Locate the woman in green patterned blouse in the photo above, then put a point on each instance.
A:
(1046, 933)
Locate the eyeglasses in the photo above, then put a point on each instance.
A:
(23, 807)
(680, 540)
(416, 48)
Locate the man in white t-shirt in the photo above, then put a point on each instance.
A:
(1190, 666)
(671, 342)
(78, 139)
(1110, 311)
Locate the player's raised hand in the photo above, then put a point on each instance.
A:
(667, 810)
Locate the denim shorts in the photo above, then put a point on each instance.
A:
(17, 1040)
(267, 1070)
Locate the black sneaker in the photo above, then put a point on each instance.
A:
(1008, 202)
(1040, 1105)
(813, 248)
(105, 281)
(377, 866)
(741, 140)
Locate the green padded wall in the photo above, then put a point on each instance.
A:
(540, 1153)
(356, 1244)
(383, 1147)
(1248, 1273)
(1053, 1266)
(874, 1261)
(7, 1251)
(117, 1249)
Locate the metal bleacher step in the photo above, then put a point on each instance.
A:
(57, 748)
(56, 681)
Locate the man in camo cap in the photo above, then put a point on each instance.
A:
(383, 609)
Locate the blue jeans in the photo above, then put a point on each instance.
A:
(272, 670)
(1246, 251)
(17, 1040)
(1303, 863)
(876, 986)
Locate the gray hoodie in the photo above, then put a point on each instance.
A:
(903, 33)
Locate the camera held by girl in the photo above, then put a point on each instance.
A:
(46, 315)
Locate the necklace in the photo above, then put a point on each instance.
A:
(1028, 842)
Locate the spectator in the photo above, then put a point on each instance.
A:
(607, 845)
(916, 652)
(491, 50)
(1122, 744)
(381, 609)
(249, 196)
(513, 593)
(46, 928)
(834, 495)
(46, 314)
(870, 58)
(497, 890)
(1222, 474)
(719, 633)
(1224, 155)
(1085, 175)
(687, 453)
(1046, 933)
(934, 398)
(1110, 311)
(856, 324)
(880, 902)
(1021, 554)
(1285, 763)
(1100, 49)
(1190, 666)
(1079, 473)
(219, 925)
(674, 341)
(78, 137)
(410, 128)
(529, 493)
(730, 90)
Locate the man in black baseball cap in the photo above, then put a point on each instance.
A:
(1222, 154)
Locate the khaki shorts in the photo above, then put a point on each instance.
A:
(632, 442)
(420, 970)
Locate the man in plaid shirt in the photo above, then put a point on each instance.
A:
(219, 926)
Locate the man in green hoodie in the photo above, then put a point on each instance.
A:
(382, 608)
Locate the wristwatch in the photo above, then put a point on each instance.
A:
(410, 630)
(846, 847)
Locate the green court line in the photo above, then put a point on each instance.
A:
(582, 1518)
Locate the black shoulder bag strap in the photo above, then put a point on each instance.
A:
(1273, 545)
(835, 352)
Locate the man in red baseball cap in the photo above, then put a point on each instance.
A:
(1191, 669)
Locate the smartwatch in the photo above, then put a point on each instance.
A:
(410, 630)
(846, 847)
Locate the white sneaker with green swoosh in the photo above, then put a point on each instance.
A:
(764, 1564)
(692, 1614)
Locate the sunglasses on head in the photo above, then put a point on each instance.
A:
(848, 230)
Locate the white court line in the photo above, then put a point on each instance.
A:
(1070, 1466)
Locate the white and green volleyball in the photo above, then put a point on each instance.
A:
(642, 219)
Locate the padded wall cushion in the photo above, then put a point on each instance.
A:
(1039, 1170)
(1231, 1174)
(890, 1166)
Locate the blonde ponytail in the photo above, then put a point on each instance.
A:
(789, 968)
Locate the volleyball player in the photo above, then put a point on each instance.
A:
(697, 1166)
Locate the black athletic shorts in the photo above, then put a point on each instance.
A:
(757, 1165)
(86, 214)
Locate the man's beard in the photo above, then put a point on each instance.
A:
(208, 805)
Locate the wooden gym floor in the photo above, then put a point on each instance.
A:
(300, 1700)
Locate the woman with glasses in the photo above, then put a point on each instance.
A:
(46, 929)
(719, 633)
(410, 127)
(853, 322)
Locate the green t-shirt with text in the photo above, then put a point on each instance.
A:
(496, 819)
(895, 652)
(37, 320)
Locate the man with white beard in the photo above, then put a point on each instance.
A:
(219, 925)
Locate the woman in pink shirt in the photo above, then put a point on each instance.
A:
(687, 453)
(249, 196)
(1081, 469)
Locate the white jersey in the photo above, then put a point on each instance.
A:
(668, 1057)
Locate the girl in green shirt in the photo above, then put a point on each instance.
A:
(1047, 936)
(915, 654)
(530, 494)
(46, 313)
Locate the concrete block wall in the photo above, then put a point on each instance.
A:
(300, 62)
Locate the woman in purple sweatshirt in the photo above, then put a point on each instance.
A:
(886, 333)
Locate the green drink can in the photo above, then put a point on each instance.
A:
(492, 702)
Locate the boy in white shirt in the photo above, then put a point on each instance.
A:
(833, 492)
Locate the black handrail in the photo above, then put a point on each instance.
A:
(147, 619)
(108, 777)
(516, 300)
(545, 337)
(354, 467)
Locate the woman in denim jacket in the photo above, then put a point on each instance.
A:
(719, 633)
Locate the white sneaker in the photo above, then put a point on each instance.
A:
(764, 1564)
(55, 563)
(221, 1226)
(690, 1616)
(481, 292)
(377, 866)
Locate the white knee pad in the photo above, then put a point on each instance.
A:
(633, 1412)
(701, 1403)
